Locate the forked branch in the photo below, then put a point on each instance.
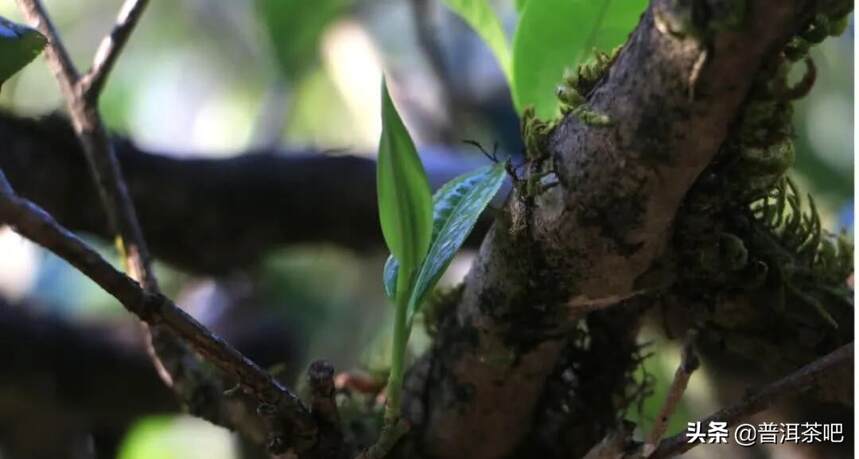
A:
(92, 133)
(797, 382)
(177, 366)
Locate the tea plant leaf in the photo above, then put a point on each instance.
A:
(405, 202)
(456, 207)
(556, 34)
(480, 16)
(19, 45)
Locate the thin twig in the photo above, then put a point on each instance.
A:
(172, 359)
(35, 224)
(58, 57)
(177, 366)
(688, 364)
(113, 192)
(795, 383)
(111, 46)
(99, 151)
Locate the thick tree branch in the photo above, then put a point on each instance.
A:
(155, 309)
(209, 216)
(596, 234)
(801, 380)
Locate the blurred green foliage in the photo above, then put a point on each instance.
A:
(480, 16)
(167, 437)
(295, 29)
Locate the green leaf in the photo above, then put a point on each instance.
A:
(520, 5)
(19, 45)
(295, 29)
(557, 34)
(456, 207)
(405, 202)
(480, 16)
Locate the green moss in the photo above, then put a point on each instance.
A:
(441, 303)
(745, 226)
(536, 132)
(581, 81)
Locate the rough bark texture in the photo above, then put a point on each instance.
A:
(594, 236)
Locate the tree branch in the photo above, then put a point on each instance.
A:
(111, 46)
(164, 349)
(801, 380)
(59, 61)
(98, 148)
(81, 95)
(154, 308)
(244, 207)
(178, 367)
(688, 364)
(596, 234)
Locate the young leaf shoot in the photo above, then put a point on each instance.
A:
(405, 213)
(422, 232)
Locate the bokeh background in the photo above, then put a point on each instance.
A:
(217, 78)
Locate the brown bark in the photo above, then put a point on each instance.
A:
(596, 234)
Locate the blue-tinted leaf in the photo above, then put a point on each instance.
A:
(19, 45)
(405, 202)
(556, 34)
(457, 205)
(480, 16)
(389, 277)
